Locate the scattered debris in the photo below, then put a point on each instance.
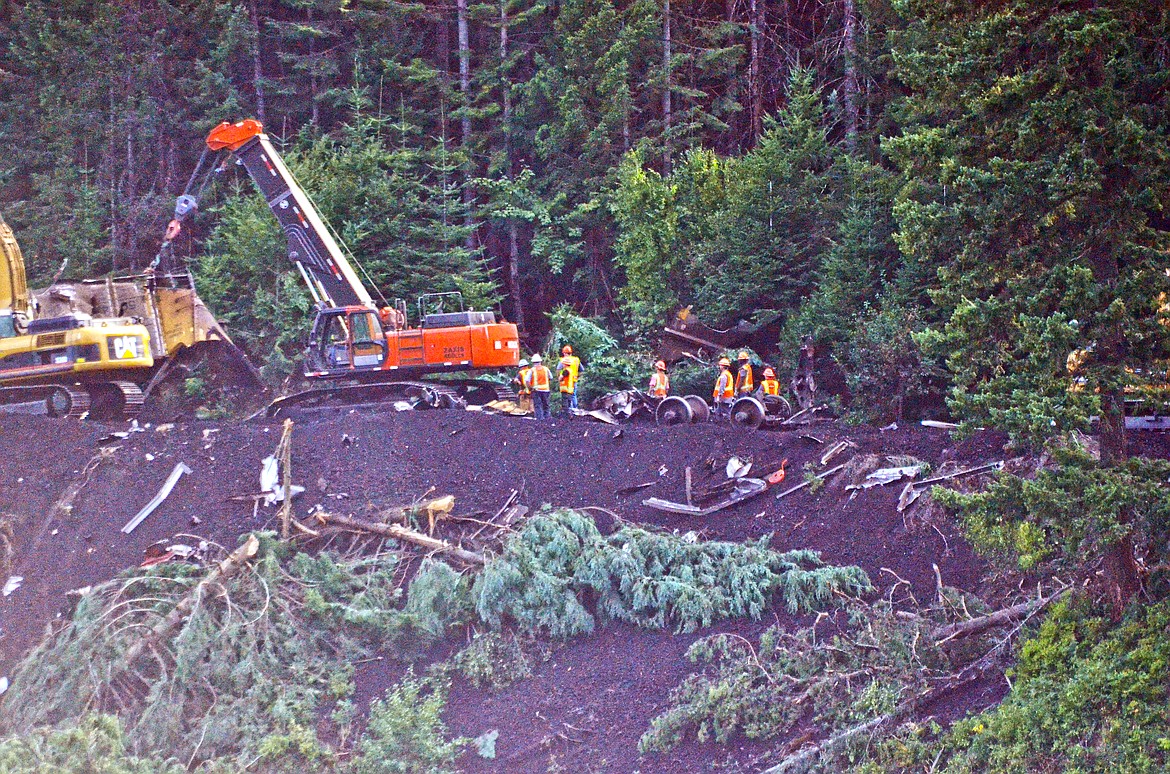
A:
(158, 499)
(599, 414)
(836, 449)
(628, 490)
(398, 532)
(939, 425)
(662, 470)
(12, 584)
(803, 484)
(3, 685)
(887, 476)
(914, 489)
(737, 468)
(889, 428)
(777, 476)
(744, 489)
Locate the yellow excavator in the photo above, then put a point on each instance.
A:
(99, 348)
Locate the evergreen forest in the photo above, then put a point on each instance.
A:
(963, 206)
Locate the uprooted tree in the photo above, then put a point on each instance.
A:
(237, 661)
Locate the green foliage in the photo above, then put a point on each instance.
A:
(559, 565)
(837, 676)
(406, 732)
(495, 659)
(885, 368)
(1085, 697)
(248, 669)
(97, 743)
(1069, 514)
(588, 339)
(1034, 158)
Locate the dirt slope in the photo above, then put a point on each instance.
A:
(594, 697)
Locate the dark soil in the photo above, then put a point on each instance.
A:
(584, 708)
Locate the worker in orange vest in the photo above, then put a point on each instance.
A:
(724, 390)
(770, 386)
(539, 383)
(744, 381)
(659, 381)
(522, 389)
(569, 371)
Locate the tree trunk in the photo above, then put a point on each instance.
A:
(465, 139)
(257, 70)
(850, 86)
(755, 88)
(513, 239)
(666, 72)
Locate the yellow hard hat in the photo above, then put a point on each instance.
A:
(724, 362)
(660, 365)
(769, 373)
(743, 355)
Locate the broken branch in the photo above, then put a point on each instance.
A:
(399, 532)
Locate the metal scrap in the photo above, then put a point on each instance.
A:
(744, 489)
(887, 476)
(914, 489)
(803, 484)
(163, 493)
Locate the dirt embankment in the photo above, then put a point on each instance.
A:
(594, 697)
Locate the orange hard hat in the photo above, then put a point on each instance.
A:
(769, 373)
(566, 350)
(724, 362)
(743, 355)
(660, 365)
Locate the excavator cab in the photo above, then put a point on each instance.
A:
(345, 340)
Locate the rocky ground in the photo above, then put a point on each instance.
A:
(586, 706)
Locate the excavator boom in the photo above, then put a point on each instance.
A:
(331, 279)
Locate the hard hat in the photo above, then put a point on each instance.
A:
(566, 350)
(537, 358)
(724, 362)
(769, 373)
(660, 365)
(743, 355)
(523, 363)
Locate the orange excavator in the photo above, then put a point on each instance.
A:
(366, 350)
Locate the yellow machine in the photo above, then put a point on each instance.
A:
(95, 347)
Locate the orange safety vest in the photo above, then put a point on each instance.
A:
(523, 379)
(539, 378)
(659, 385)
(771, 387)
(570, 368)
(724, 389)
(743, 380)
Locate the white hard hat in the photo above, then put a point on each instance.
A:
(523, 363)
(537, 358)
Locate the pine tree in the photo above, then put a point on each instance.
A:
(1037, 172)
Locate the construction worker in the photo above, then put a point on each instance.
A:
(724, 390)
(539, 383)
(568, 373)
(770, 386)
(522, 389)
(659, 381)
(744, 381)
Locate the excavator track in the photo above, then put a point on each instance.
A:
(436, 394)
(102, 400)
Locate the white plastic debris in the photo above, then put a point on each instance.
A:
(12, 584)
(3, 685)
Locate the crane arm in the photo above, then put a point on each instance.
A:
(331, 278)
